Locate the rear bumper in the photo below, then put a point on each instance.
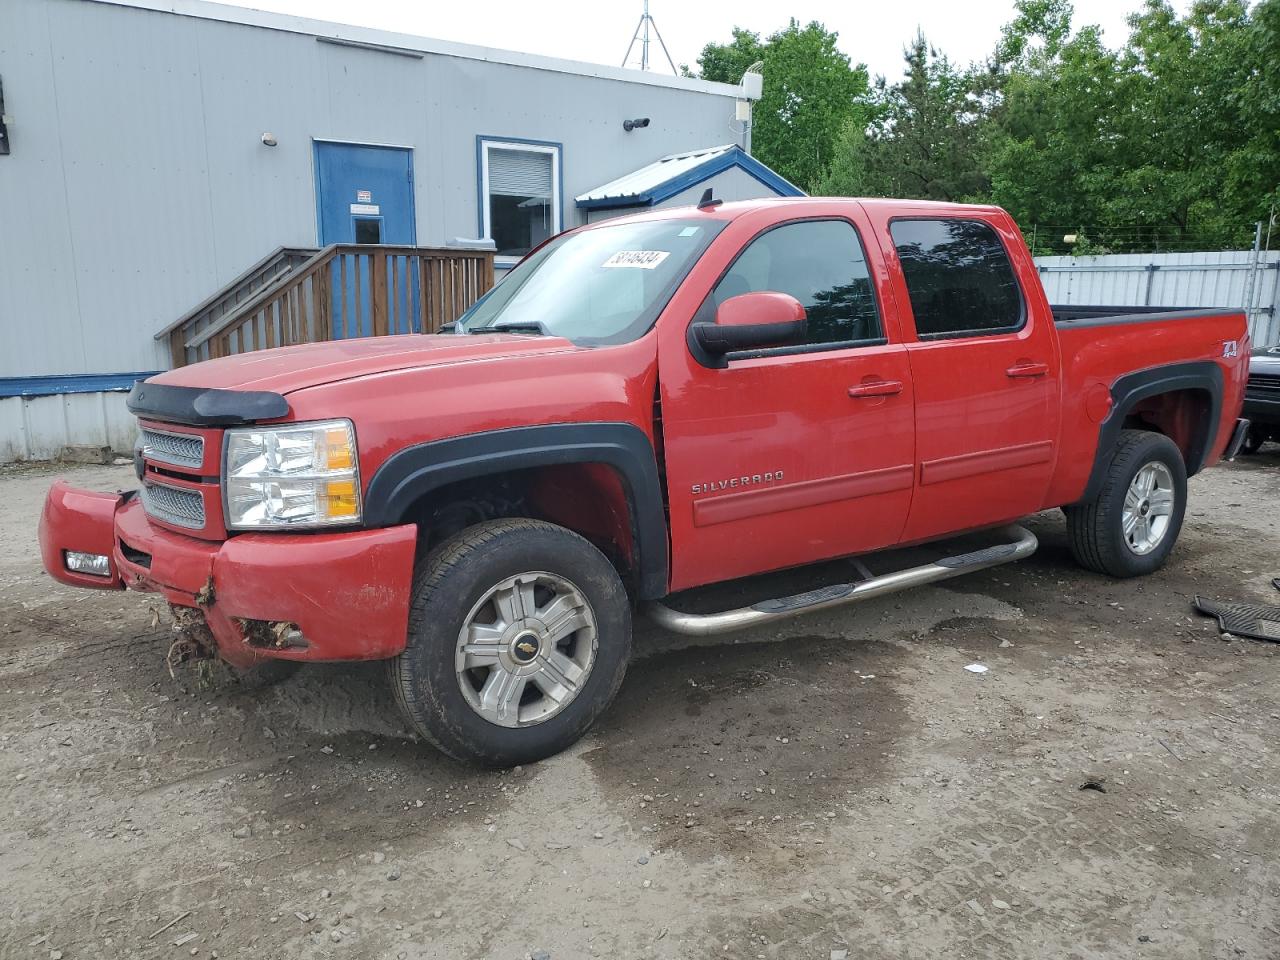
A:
(347, 593)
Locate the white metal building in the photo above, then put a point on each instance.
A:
(152, 150)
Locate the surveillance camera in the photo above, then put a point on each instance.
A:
(269, 139)
(629, 125)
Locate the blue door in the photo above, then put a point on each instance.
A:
(364, 194)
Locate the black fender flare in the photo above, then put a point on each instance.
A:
(1128, 390)
(411, 473)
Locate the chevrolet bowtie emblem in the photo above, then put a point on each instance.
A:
(526, 647)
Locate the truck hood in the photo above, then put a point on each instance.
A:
(286, 369)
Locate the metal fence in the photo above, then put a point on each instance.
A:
(1246, 280)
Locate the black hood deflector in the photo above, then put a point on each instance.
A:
(204, 406)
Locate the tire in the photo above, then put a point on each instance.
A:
(1099, 539)
(524, 591)
(1253, 440)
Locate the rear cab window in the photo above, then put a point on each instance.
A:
(959, 278)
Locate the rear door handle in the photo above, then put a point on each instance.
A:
(1028, 370)
(876, 388)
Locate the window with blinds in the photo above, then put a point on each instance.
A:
(520, 190)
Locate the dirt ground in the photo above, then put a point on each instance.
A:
(839, 784)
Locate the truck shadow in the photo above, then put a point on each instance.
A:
(705, 745)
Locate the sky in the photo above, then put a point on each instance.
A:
(599, 31)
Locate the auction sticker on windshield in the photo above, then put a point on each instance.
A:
(640, 259)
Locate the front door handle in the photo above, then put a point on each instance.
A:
(876, 388)
(1027, 370)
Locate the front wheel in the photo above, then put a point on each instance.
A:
(519, 636)
(1130, 527)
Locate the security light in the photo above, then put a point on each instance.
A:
(269, 139)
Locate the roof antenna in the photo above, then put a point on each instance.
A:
(706, 203)
(642, 35)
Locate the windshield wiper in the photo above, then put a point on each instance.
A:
(512, 326)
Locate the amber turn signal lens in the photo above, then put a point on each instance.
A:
(340, 498)
(337, 448)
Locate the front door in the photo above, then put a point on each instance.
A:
(791, 454)
(985, 367)
(364, 194)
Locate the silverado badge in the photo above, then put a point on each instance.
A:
(715, 486)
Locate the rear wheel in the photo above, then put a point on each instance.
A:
(1130, 527)
(519, 635)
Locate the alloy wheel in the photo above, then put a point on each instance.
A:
(1148, 507)
(526, 648)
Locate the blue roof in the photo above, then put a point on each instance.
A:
(663, 179)
(73, 383)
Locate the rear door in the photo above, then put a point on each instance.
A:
(986, 372)
(786, 455)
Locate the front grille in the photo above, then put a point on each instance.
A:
(178, 449)
(182, 508)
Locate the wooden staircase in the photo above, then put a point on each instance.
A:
(303, 295)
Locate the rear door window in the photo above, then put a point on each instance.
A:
(959, 278)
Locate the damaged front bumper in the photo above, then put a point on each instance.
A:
(310, 597)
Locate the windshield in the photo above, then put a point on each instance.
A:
(600, 286)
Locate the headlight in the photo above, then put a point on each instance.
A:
(296, 475)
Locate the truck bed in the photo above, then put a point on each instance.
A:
(1101, 344)
(1087, 315)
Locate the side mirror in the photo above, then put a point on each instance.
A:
(751, 321)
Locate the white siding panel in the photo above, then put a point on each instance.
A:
(133, 138)
(1206, 279)
(37, 428)
(39, 308)
(254, 82)
(138, 184)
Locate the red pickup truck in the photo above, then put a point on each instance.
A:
(644, 406)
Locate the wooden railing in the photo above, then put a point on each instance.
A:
(273, 266)
(348, 290)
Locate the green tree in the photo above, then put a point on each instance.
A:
(921, 140)
(726, 63)
(810, 91)
(1253, 166)
(1167, 141)
(1170, 140)
(1185, 79)
(1048, 144)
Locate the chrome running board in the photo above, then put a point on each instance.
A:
(1022, 544)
